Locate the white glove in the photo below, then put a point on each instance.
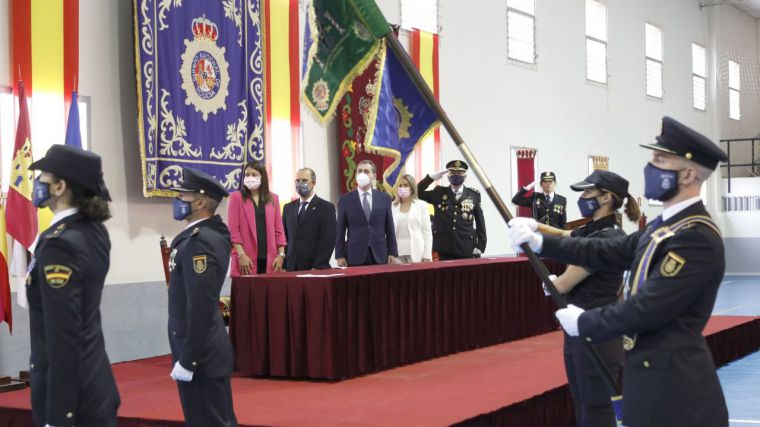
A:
(48, 425)
(530, 186)
(552, 277)
(438, 175)
(523, 230)
(476, 251)
(181, 374)
(568, 318)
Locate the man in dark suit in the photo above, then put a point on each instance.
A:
(201, 349)
(677, 264)
(459, 229)
(547, 206)
(309, 223)
(365, 215)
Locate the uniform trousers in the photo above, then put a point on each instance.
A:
(207, 402)
(591, 396)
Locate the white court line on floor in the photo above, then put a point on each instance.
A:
(745, 421)
(728, 309)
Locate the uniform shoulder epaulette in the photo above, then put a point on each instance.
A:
(196, 230)
(57, 232)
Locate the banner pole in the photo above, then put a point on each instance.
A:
(538, 266)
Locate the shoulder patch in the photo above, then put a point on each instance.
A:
(57, 232)
(200, 262)
(672, 264)
(56, 275)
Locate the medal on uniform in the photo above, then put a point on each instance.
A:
(172, 264)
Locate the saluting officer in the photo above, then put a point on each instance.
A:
(71, 378)
(676, 265)
(201, 348)
(547, 207)
(459, 229)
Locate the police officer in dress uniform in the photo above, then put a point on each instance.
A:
(547, 207)
(603, 194)
(201, 348)
(677, 263)
(459, 229)
(71, 378)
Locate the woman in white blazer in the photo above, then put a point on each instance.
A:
(411, 220)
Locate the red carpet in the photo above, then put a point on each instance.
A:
(522, 380)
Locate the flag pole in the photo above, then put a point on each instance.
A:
(538, 266)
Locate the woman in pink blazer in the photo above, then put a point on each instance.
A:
(255, 222)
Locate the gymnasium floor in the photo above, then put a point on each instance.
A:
(740, 296)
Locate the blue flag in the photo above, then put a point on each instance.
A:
(403, 117)
(73, 131)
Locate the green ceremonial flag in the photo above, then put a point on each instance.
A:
(342, 38)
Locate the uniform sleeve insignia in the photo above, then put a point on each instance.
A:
(57, 275)
(672, 264)
(199, 264)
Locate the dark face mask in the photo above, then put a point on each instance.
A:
(660, 184)
(41, 193)
(588, 206)
(182, 209)
(302, 188)
(456, 180)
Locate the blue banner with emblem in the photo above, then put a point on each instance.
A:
(403, 118)
(200, 85)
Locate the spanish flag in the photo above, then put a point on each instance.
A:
(424, 53)
(6, 315)
(45, 56)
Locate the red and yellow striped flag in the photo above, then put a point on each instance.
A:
(283, 84)
(425, 56)
(45, 56)
(6, 315)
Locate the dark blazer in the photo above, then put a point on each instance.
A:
(311, 238)
(458, 225)
(355, 236)
(669, 377)
(71, 378)
(554, 213)
(198, 263)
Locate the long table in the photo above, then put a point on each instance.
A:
(340, 323)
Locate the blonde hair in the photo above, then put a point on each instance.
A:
(412, 184)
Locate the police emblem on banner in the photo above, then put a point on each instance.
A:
(204, 70)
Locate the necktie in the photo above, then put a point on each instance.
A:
(549, 199)
(365, 205)
(302, 209)
(458, 194)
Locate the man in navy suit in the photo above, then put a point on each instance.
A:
(309, 223)
(365, 216)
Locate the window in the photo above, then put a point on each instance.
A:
(521, 30)
(698, 76)
(420, 14)
(596, 41)
(734, 86)
(653, 37)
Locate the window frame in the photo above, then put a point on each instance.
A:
(736, 90)
(660, 62)
(533, 19)
(703, 78)
(597, 40)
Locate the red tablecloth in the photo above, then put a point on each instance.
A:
(367, 319)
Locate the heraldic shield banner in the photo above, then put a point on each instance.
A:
(200, 85)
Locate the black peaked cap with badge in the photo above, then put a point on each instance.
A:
(196, 181)
(457, 165)
(76, 165)
(605, 180)
(548, 176)
(680, 140)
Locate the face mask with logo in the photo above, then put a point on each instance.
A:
(404, 192)
(587, 206)
(660, 184)
(41, 193)
(181, 209)
(362, 180)
(456, 180)
(302, 188)
(252, 182)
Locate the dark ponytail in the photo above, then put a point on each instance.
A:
(91, 206)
